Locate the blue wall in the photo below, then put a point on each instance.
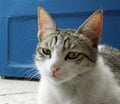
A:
(18, 28)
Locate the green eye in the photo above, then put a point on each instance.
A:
(72, 55)
(46, 52)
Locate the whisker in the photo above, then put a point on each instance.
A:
(30, 73)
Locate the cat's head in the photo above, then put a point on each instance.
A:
(61, 55)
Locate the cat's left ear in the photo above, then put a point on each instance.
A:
(92, 27)
(46, 24)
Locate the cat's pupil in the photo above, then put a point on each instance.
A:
(46, 52)
(72, 55)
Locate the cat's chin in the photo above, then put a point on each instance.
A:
(58, 80)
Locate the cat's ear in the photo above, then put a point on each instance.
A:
(92, 27)
(46, 24)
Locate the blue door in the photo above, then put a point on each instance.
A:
(18, 37)
(18, 28)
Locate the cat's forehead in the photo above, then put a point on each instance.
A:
(62, 34)
(64, 38)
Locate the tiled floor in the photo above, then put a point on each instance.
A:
(18, 91)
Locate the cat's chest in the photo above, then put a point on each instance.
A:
(59, 94)
(66, 95)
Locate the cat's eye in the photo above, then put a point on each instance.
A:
(46, 52)
(72, 55)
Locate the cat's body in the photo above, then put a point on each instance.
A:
(111, 58)
(72, 70)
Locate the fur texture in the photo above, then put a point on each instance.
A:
(74, 70)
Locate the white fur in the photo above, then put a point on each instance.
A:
(95, 87)
(76, 82)
(100, 47)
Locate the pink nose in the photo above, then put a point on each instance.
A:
(54, 69)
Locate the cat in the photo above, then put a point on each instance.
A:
(112, 59)
(74, 68)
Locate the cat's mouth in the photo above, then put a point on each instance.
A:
(58, 78)
(55, 76)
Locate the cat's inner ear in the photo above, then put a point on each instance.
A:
(92, 27)
(46, 24)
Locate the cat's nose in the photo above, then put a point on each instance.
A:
(54, 69)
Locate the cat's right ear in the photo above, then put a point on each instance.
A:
(46, 24)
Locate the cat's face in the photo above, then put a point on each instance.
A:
(61, 55)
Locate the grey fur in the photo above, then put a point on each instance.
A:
(69, 39)
(112, 59)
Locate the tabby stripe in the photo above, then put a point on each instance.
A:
(56, 39)
(88, 57)
(65, 42)
(53, 42)
(80, 59)
(40, 52)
